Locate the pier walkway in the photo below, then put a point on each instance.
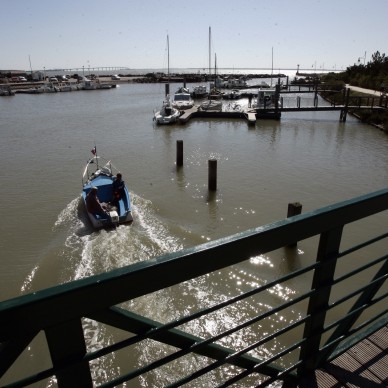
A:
(364, 365)
(373, 102)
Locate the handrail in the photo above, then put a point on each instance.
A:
(98, 297)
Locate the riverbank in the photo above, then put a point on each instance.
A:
(373, 97)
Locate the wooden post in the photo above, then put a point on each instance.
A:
(212, 174)
(294, 209)
(344, 111)
(167, 88)
(179, 152)
(277, 96)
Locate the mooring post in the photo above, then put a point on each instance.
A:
(277, 96)
(212, 174)
(179, 152)
(167, 88)
(294, 209)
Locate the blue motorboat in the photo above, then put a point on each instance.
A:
(99, 176)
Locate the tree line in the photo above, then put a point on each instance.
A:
(372, 75)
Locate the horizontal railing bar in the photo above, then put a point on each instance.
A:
(101, 291)
(10, 350)
(201, 342)
(356, 292)
(45, 374)
(286, 372)
(363, 245)
(178, 322)
(213, 351)
(360, 269)
(238, 353)
(194, 348)
(365, 298)
(342, 349)
(256, 368)
(186, 319)
(354, 312)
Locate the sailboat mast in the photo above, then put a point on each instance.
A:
(168, 60)
(272, 67)
(210, 32)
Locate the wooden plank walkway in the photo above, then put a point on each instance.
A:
(363, 365)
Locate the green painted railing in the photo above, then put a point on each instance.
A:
(60, 312)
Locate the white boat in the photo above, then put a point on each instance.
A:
(200, 91)
(104, 86)
(100, 174)
(265, 99)
(167, 114)
(235, 83)
(182, 99)
(264, 85)
(88, 85)
(49, 87)
(6, 91)
(67, 88)
(232, 95)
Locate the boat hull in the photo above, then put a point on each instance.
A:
(162, 118)
(119, 212)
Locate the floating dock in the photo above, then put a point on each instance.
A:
(250, 116)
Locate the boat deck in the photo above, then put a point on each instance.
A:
(193, 112)
(364, 365)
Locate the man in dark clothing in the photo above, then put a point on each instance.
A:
(93, 204)
(118, 188)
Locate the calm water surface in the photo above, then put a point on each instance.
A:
(45, 236)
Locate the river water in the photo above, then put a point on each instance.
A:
(46, 140)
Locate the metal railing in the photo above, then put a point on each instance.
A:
(60, 312)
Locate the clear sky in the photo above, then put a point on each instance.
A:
(131, 33)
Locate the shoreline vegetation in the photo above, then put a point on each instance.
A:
(372, 76)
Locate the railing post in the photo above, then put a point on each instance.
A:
(364, 299)
(328, 249)
(67, 349)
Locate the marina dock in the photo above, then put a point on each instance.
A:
(195, 112)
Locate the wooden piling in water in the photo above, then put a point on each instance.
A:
(212, 174)
(294, 209)
(179, 153)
